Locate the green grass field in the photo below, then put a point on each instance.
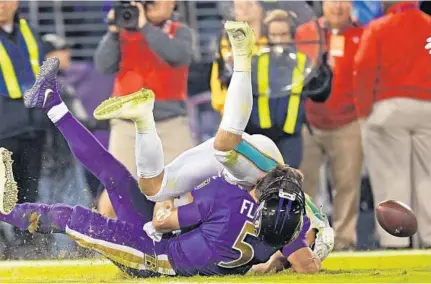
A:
(360, 267)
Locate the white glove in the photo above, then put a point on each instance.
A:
(324, 242)
(152, 233)
(428, 45)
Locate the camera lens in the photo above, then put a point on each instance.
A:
(127, 15)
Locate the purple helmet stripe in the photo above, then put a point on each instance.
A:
(280, 204)
(288, 205)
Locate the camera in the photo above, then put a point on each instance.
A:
(126, 15)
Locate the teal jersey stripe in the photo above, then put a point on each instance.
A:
(262, 161)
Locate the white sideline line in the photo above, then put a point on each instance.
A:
(104, 262)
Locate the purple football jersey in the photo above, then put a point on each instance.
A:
(224, 242)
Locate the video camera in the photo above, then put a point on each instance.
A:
(126, 15)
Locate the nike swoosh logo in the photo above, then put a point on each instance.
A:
(47, 93)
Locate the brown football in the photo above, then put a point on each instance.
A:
(396, 218)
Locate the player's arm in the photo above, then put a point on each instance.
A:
(276, 263)
(304, 261)
(166, 218)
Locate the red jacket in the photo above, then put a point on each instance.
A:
(392, 61)
(143, 68)
(339, 109)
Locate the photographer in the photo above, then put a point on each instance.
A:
(146, 48)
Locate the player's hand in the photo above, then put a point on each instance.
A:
(428, 45)
(276, 263)
(142, 18)
(261, 268)
(161, 209)
(111, 18)
(324, 242)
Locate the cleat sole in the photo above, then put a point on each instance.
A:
(108, 108)
(31, 97)
(9, 188)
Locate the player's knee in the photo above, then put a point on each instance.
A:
(153, 188)
(223, 156)
(226, 141)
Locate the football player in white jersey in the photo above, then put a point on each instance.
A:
(242, 161)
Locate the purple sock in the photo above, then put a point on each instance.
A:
(39, 218)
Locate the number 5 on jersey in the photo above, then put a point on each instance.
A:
(245, 249)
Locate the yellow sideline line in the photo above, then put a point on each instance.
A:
(104, 262)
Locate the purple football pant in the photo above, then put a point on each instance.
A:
(123, 240)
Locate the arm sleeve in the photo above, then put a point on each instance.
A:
(175, 51)
(365, 72)
(108, 54)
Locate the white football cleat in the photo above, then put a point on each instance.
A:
(130, 107)
(242, 40)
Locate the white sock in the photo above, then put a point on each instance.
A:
(149, 154)
(145, 123)
(57, 112)
(238, 104)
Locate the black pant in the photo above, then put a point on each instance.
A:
(27, 156)
(27, 152)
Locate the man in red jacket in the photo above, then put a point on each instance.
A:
(335, 131)
(154, 55)
(393, 95)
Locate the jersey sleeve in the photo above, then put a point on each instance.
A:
(189, 215)
(300, 241)
(198, 211)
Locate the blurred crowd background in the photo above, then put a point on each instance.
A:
(342, 87)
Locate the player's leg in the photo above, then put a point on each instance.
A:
(246, 158)
(239, 100)
(122, 187)
(123, 242)
(138, 107)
